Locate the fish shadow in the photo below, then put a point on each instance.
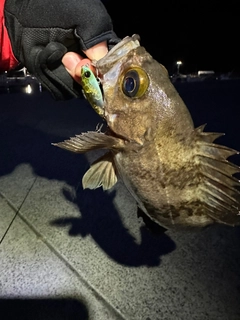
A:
(100, 219)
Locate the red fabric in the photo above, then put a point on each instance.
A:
(7, 58)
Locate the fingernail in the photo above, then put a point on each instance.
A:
(70, 62)
(98, 51)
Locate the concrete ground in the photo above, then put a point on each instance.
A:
(66, 253)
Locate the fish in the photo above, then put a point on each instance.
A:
(178, 176)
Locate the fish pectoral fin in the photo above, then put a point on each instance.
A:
(102, 173)
(90, 140)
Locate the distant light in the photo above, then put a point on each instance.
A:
(28, 89)
(205, 72)
(179, 63)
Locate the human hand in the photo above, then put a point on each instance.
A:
(42, 32)
(73, 62)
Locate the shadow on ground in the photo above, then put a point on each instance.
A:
(103, 223)
(43, 309)
(27, 129)
(28, 126)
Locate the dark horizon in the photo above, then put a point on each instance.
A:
(203, 35)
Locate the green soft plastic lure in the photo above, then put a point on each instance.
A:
(91, 90)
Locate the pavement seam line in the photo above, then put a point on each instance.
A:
(15, 209)
(55, 251)
(68, 264)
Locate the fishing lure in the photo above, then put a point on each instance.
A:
(91, 90)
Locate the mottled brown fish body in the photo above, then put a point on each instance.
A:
(177, 175)
(166, 185)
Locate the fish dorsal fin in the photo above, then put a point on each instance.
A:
(219, 188)
(90, 140)
(207, 136)
(102, 173)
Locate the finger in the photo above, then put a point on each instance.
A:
(84, 62)
(98, 51)
(70, 60)
(73, 63)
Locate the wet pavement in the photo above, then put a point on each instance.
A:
(69, 253)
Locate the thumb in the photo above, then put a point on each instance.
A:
(98, 51)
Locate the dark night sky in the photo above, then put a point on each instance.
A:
(205, 35)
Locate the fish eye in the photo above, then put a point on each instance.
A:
(135, 82)
(87, 74)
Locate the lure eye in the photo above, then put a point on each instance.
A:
(87, 74)
(135, 82)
